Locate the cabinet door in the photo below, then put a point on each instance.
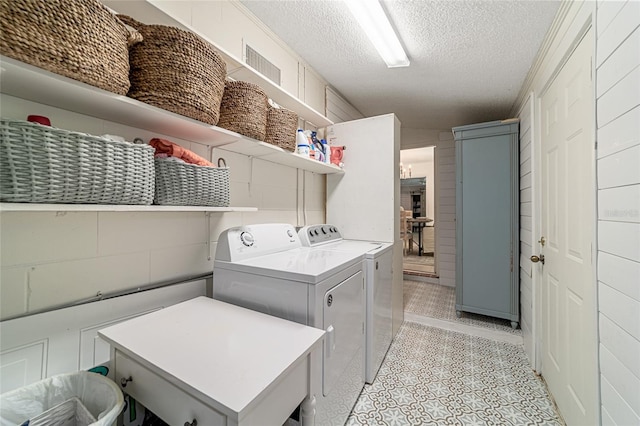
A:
(486, 217)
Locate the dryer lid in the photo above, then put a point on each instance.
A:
(308, 265)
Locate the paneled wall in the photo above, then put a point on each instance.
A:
(52, 258)
(618, 165)
(526, 227)
(339, 109)
(66, 340)
(445, 177)
(617, 93)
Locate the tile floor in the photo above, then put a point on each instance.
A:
(452, 372)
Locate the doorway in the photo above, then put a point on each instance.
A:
(418, 203)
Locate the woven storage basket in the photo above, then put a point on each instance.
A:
(244, 109)
(42, 164)
(177, 71)
(79, 39)
(183, 184)
(282, 126)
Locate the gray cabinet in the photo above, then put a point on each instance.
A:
(487, 219)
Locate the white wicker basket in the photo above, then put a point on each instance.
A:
(42, 164)
(182, 184)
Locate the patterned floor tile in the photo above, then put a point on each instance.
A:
(437, 301)
(435, 376)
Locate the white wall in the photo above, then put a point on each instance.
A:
(618, 167)
(52, 258)
(617, 75)
(526, 227)
(339, 109)
(445, 225)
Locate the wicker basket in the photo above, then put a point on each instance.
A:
(41, 164)
(244, 109)
(183, 184)
(282, 126)
(177, 71)
(79, 39)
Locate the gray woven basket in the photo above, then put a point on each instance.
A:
(42, 164)
(182, 184)
(79, 39)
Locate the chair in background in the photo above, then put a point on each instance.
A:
(406, 231)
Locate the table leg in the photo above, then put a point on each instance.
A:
(420, 248)
(308, 411)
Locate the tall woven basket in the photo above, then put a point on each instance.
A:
(79, 39)
(42, 164)
(244, 109)
(177, 71)
(282, 125)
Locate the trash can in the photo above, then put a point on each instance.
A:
(76, 399)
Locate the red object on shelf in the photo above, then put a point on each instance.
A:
(39, 119)
(336, 154)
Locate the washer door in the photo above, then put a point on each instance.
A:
(343, 317)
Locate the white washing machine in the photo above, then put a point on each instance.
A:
(378, 260)
(265, 268)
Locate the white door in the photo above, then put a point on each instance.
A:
(569, 330)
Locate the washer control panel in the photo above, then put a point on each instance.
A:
(248, 241)
(313, 235)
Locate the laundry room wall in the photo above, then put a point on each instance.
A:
(53, 258)
(445, 208)
(49, 259)
(616, 74)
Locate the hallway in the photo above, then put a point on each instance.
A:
(442, 369)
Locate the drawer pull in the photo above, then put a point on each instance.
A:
(193, 423)
(124, 381)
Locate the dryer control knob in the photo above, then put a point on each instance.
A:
(247, 239)
(289, 233)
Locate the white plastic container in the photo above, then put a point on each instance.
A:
(302, 143)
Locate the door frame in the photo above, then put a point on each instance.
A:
(588, 24)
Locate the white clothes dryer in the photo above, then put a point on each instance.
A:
(378, 261)
(265, 268)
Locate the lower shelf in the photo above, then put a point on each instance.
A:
(35, 207)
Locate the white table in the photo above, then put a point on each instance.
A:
(216, 363)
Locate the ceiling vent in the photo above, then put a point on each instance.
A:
(260, 64)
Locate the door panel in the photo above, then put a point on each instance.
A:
(344, 312)
(569, 362)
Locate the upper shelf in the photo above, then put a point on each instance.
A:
(35, 84)
(149, 13)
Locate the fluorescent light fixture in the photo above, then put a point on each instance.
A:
(374, 22)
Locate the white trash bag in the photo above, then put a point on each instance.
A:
(76, 399)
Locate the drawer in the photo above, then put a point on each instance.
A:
(167, 401)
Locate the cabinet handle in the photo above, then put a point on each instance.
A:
(193, 423)
(124, 381)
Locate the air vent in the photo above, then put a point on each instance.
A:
(260, 64)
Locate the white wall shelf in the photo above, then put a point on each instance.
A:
(35, 84)
(36, 207)
(275, 154)
(149, 13)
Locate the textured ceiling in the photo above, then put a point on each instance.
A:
(468, 58)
